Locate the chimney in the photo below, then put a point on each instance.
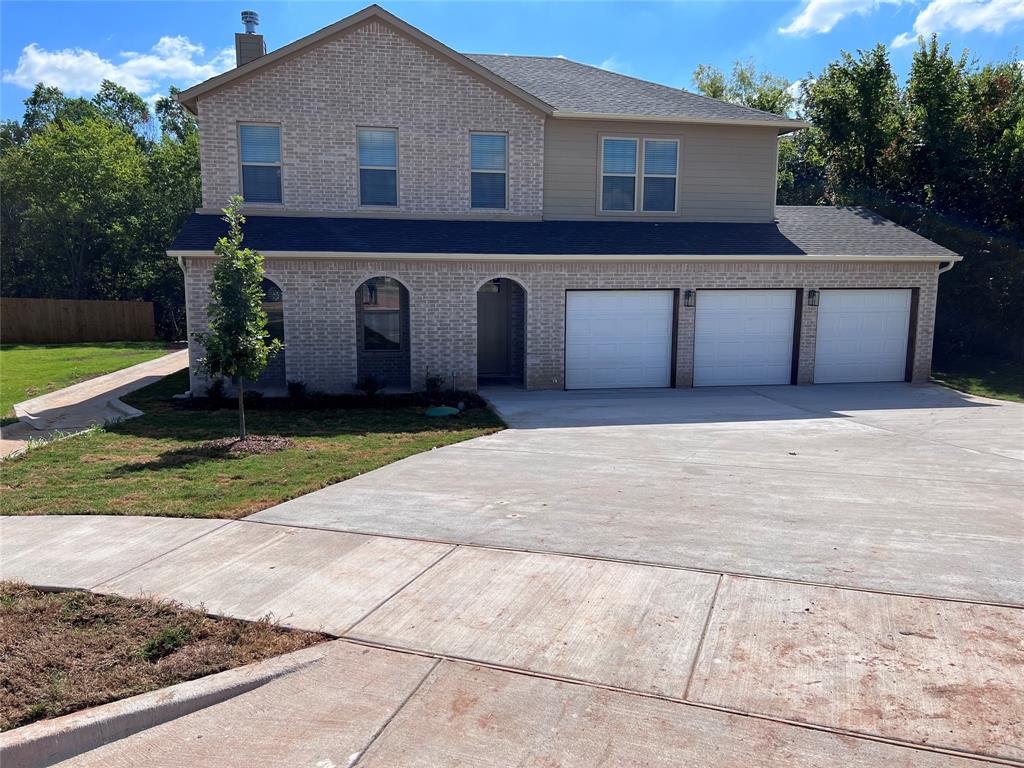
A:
(249, 45)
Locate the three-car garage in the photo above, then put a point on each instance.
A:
(628, 338)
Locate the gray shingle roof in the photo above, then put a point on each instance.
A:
(569, 86)
(800, 233)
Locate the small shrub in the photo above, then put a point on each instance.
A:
(297, 390)
(165, 642)
(217, 392)
(434, 385)
(371, 386)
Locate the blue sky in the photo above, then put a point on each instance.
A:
(150, 45)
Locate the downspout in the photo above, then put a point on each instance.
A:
(949, 266)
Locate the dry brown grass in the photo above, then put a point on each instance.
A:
(65, 651)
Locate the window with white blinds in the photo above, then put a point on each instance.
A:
(639, 175)
(261, 163)
(378, 166)
(661, 170)
(488, 170)
(618, 174)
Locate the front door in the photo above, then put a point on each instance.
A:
(492, 330)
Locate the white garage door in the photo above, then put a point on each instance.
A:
(618, 339)
(862, 335)
(743, 337)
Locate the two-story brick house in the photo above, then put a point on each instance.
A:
(534, 220)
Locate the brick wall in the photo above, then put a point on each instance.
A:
(321, 325)
(371, 76)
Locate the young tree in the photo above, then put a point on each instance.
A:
(236, 346)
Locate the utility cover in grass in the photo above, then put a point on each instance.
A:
(442, 410)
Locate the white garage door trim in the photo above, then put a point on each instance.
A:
(863, 335)
(618, 339)
(743, 337)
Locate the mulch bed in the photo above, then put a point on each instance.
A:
(252, 444)
(64, 651)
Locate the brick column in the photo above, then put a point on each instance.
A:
(808, 339)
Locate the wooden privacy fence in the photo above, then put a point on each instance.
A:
(55, 321)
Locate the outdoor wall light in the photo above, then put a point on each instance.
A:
(812, 298)
(689, 298)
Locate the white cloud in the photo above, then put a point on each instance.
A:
(76, 71)
(614, 64)
(965, 16)
(823, 15)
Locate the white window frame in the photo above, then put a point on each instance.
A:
(644, 175)
(601, 174)
(279, 164)
(360, 167)
(487, 170)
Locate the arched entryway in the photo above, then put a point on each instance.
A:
(501, 332)
(382, 331)
(274, 377)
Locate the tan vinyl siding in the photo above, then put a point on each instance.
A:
(727, 173)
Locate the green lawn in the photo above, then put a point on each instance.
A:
(28, 370)
(999, 379)
(151, 465)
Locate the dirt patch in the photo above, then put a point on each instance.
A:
(65, 651)
(252, 444)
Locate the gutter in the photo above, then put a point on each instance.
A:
(950, 265)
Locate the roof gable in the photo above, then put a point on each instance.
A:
(189, 98)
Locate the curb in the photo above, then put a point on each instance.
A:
(51, 741)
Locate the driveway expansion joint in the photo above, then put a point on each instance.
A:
(95, 587)
(644, 563)
(448, 658)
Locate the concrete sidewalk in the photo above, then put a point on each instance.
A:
(555, 659)
(82, 405)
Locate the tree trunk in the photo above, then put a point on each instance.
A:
(241, 410)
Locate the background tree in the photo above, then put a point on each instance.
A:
(746, 86)
(111, 196)
(855, 106)
(236, 345)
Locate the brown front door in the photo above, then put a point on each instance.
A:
(492, 329)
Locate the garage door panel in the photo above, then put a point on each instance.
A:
(862, 335)
(743, 337)
(618, 339)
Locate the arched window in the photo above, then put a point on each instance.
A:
(382, 331)
(273, 379)
(273, 305)
(382, 306)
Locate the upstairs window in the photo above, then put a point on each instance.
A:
(661, 169)
(618, 174)
(261, 163)
(488, 170)
(378, 166)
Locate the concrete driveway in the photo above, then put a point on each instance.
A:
(889, 487)
(742, 577)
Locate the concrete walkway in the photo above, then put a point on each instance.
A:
(453, 655)
(82, 405)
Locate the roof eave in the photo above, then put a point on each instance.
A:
(784, 125)
(189, 97)
(917, 258)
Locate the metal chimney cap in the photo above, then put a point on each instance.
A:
(251, 20)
